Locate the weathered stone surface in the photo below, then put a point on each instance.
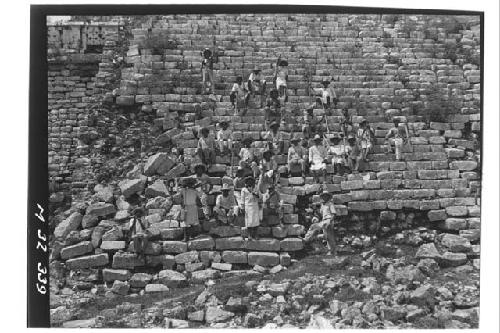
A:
(82, 323)
(456, 243)
(216, 315)
(230, 243)
(428, 250)
(393, 314)
(428, 266)
(404, 274)
(66, 226)
(225, 231)
(120, 287)
(159, 163)
(113, 245)
(76, 250)
(104, 193)
(456, 211)
(463, 165)
(202, 243)
(266, 259)
(291, 244)
(235, 257)
(95, 260)
(437, 215)
(155, 288)
(174, 247)
(157, 189)
(100, 209)
(336, 262)
(127, 260)
(172, 279)
(109, 275)
(222, 266)
(423, 296)
(204, 275)
(453, 224)
(453, 259)
(473, 235)
(131, 186)
(269, 244)
(184, 258)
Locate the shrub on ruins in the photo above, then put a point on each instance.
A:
(157, 43)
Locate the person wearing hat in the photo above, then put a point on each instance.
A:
(257, 84)
(326, 224)
(326, 93)
(365, 136)
(297, 156)
(273, 108)
(206, 148)
(274, 137)
(247, 158)
(353, 153)
(317, 158)
(224, 138)
(250, 203)
(191, 200)
(239, 93)
(272, 203)
(207, 70)
(281, 78)
(226, 207)
(338, 153)
(397, 136)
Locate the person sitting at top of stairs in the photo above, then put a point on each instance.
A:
(257, 84)
(247, 158)
(274, 138)
(206, 148)
(273, 108)
(317, 158)
(225, 138)
(297, 157)
(326, 93)
(207, 70)
(239, 93)
(226, 207)
(281, 78)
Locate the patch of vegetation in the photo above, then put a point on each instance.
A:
(437, 106)
(157, 43)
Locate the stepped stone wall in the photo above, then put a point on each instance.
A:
(423, 69)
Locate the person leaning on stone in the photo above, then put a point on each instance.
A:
(397, 136)
(326, 224)
(224, 138)
(138, 232)
(297, 157)
(226, 207)
(206, 148)
(257, 84)
(251, 204)
(190, 202)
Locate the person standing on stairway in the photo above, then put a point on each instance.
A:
(251, 205)
(257, 84)
(397, 136)
(239, 93)
(281, 78)
(365, 137)
(273, 108)
(327, 212)
(206, 148)
(269, 175)
(224, 138)
(207, 70)
(190, 202)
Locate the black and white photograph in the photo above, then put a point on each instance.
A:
(260, 167)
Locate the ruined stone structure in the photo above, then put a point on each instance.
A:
(135, 93)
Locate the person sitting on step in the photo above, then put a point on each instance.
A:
(297, 157)
(251, 205)
(190, 202)
(397, 135)
(268, 171)
(257, 84)
(365, 136)
(273, 108)
(207, 70)
(226, 207)
(206, 148)
(272, 203)
(317, 158)
(339, 155)
(247, 159)
(354, 153)
(224, 138)
(326, 224)
(239, 93)
(274, 138)
(327, 94)
(281, 78)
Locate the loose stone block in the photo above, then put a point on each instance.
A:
(95, 260)
(174, 247)
(140, 280)
(230, 243)
(295, 229)
(285, 259)
(172, 279)
(113, 245)
(109, 275)
(131, 186)
(70, 224)
(204, 243)
(266, 259)
(352, 185)
(291, 244)
(456, 211)
(463, 165)
(184, 258)
(225, 231)
(127, 260)
(166, 261)
(76, 250)
(263, 245)
(453, 224)
(235, 257)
